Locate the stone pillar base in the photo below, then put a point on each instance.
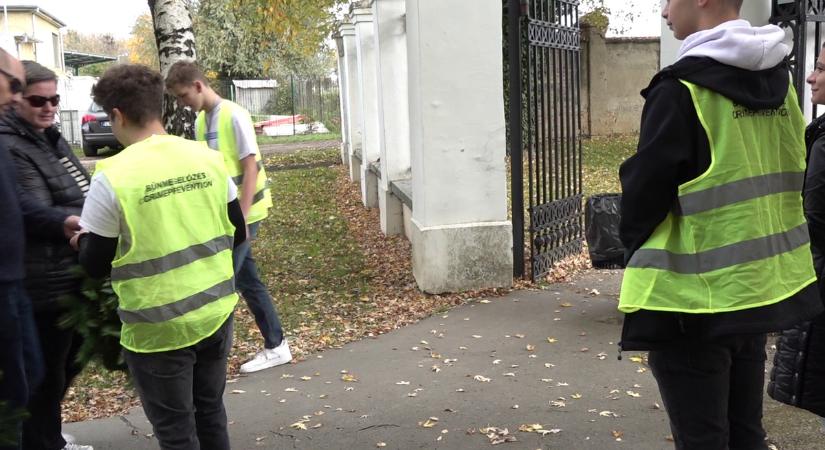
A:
(354, 167)
(392, 215)
(369, 186)
(455, 258)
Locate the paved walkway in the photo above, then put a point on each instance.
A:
(532, 357)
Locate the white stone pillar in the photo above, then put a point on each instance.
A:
(368, 80)
(343, 98)
(461, 237)
(394, 115)
(354, 128)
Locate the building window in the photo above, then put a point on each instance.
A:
(56, 46)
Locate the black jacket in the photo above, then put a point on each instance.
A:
(798, 374)
(51, 265)
(17, 210)
(673, 149)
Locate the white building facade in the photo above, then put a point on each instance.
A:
(424, 133)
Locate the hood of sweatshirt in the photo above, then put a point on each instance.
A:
(738, 44)
(744, 63)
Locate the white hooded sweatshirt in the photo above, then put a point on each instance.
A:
(737, 43)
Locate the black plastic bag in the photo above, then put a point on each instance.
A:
(601, 219)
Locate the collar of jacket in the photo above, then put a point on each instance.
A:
(12, 123)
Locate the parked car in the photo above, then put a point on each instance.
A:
(96, 129)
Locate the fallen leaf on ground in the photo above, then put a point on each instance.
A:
(498, 435)
(429, 423)
(481, 378)
(299, 426)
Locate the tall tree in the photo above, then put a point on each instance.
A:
(263, 38)
(142, 46)
(175, 41)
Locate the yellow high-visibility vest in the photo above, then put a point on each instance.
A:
(262, 200)
(173, 269)
(737, 236)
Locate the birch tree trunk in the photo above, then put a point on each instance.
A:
(176, 41)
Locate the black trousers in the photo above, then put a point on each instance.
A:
(21, 365)
(182, 392)
(713, 392)
(42, 430)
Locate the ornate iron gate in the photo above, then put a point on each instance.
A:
(544, 49)
(795, 16)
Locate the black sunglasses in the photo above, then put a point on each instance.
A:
(15, 86)
(38, 100)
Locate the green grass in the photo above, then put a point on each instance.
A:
(304, 251)
(328, 156)
(298, 138)
(601, 159)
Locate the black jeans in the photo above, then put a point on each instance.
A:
(713, 392)
(21, 366)
(182, 392)
(42, 430)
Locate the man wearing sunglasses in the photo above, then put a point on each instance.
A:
(20, 361)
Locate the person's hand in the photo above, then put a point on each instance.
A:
(75, 240)
(71, 226)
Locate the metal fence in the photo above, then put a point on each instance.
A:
(70, 126)
(291, 105)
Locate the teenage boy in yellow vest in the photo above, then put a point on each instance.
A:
(162, 217)
(718, 247)
(227, 128)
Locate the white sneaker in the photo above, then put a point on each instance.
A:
(68, 438)
(269, 357)
(78, 447)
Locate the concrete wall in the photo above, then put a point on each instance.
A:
(614, 71)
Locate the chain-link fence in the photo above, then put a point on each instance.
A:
(288, 106)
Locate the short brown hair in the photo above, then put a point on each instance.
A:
(184, 73)
(134, 89)
(36, 73)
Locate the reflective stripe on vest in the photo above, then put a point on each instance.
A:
(737, 237)
(175, 280)
(173, 260)
(722, 257)
(227, 145)
(180, 307)
(738, 191)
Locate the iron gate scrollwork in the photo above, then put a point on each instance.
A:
(545, 87)
(795, 16)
